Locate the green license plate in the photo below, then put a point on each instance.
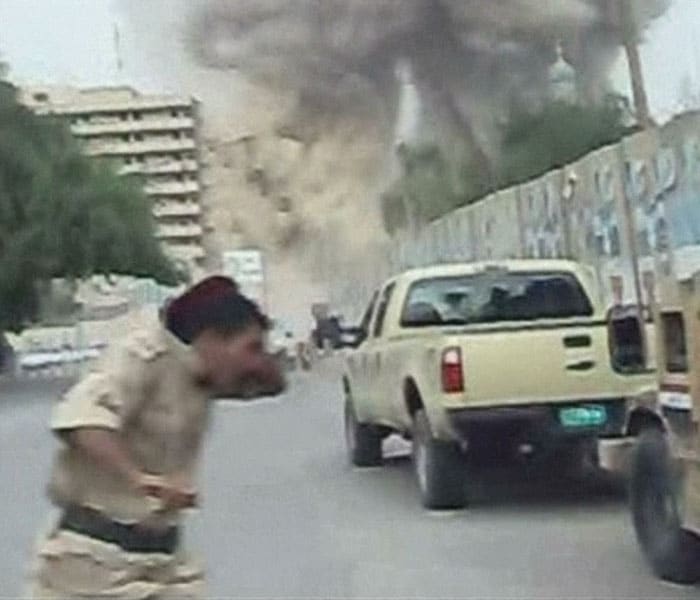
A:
(583, 416)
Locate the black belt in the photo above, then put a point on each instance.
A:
(130, 538)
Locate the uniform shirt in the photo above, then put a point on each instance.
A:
(145, 388)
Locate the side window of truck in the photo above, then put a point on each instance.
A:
(381, 310)
(367, 317)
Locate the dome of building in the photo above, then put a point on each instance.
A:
(562, 79)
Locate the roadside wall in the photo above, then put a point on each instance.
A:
(641, 195)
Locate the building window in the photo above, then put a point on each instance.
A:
(138, 137)
(41, 97)
(138, 116)
(125, 137)
(124, 116)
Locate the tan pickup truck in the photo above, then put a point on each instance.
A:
(509, 359)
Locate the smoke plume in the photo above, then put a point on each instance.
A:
(328, 69)
(470, 57)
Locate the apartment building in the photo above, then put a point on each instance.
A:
(155, 136)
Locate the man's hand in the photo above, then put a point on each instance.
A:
(265, 378)
(174, 493)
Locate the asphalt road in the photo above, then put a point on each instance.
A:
(285, 516)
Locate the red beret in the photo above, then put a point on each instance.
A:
(197, 298)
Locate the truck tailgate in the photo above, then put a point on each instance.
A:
(525, 365)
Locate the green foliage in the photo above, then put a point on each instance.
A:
(393, 207)
(63, 215)
(431, 185)
(435, 182)
(561, 133)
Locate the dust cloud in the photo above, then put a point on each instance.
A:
(301, 98)
(471, 58)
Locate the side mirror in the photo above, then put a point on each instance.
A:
(351, 337)
(626, 340)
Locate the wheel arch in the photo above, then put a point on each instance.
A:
(642, 418)
(412, 397)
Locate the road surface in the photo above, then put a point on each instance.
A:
(286, 517)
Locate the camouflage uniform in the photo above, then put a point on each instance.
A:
(147, 390)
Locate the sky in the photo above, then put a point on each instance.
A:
(72, 42)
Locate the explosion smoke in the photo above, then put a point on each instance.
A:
(334, 63)
(469, 56)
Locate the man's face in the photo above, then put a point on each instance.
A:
(230, 358)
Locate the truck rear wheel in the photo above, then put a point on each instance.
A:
(363, 442)
(673, 553)
(439, 468)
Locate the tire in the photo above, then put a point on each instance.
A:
(439, 468)
(363, 442)
(672, 552)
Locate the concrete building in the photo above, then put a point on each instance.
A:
(151, 135)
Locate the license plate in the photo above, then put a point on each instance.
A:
(583, 416)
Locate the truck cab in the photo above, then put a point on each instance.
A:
(504, 360)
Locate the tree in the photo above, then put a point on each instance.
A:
(63, 215)
(559, 134)
(435, 181)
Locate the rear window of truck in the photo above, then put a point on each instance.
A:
(492, 297)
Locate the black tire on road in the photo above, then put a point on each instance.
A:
(673, 553)
(364, 442)
(439, 467)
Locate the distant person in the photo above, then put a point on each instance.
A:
(131, 435)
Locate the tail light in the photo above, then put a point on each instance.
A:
(451, 371)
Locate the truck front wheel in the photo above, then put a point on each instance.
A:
(364, 442)
(655, 496)
(439, 468)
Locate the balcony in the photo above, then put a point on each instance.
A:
(171, 188)
(177, 209)
(116, 126)
(186, 252)
(179, 231)
(99, 147)
(161, 167)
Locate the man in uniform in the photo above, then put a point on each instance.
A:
(131, 432)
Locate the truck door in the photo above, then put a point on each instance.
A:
(376, 357)
(359, 357)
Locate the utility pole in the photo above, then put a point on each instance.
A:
(628, 28)
(119, 63)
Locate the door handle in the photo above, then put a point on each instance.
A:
(583, 365)
(577, 341)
